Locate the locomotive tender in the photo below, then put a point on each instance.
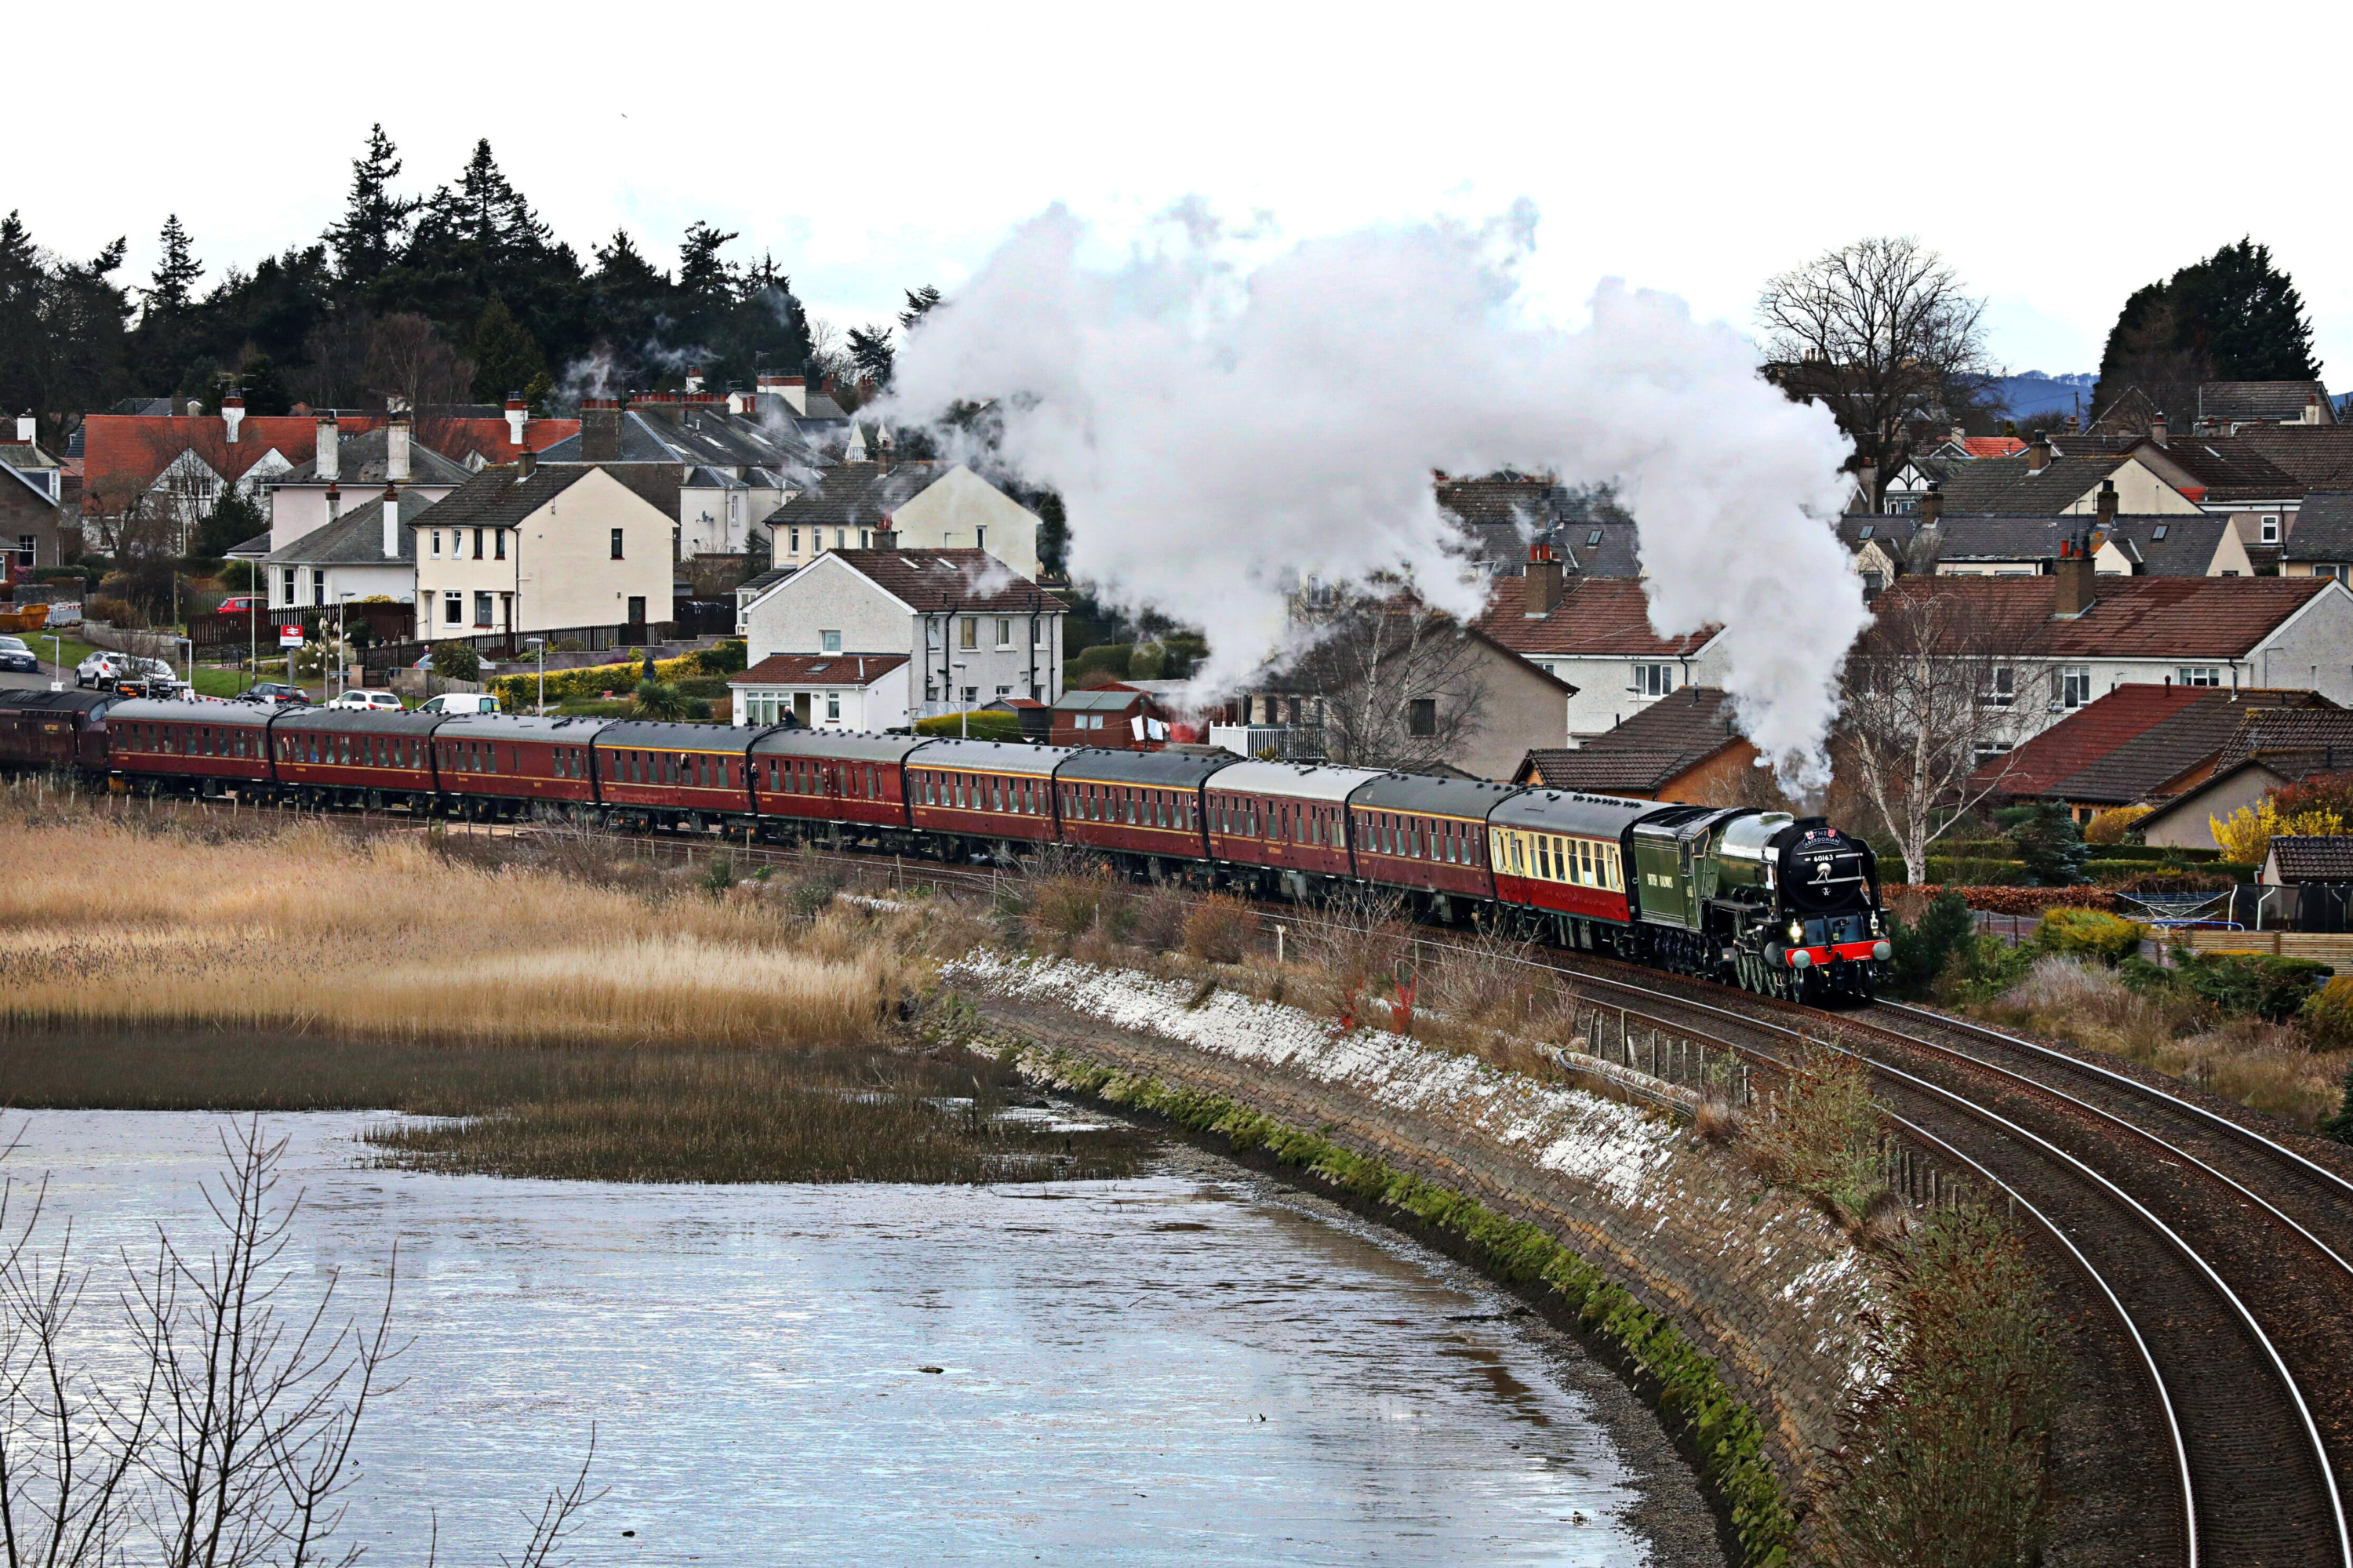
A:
(1777, 905)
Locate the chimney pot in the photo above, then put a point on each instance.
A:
(327, 452)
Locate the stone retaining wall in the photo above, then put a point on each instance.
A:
(1759, 1281)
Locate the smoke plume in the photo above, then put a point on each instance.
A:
(1222, 422)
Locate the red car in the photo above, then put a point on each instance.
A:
(241, 603)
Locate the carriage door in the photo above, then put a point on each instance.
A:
(833, 781)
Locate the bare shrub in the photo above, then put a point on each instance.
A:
(1485, 980)
(1715, 1121)
(1818, 1138)
(1157, 918)
(1357, 952)
(1221, 928)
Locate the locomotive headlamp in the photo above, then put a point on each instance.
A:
(1882, 950)
(1796, 931)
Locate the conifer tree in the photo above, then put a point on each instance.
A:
(172, 286)
(506, 358)
(374, 229)
(2233, 316)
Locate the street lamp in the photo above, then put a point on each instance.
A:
(540, 643)
(56, 682)
(342, 648)
(963, 716)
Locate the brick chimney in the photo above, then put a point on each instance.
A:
(2038, 454)
(1543, 583)
(232, 413)
(2072, 582)
(518, 415)
(334, 501)
(391, 522)
(395, 448)
(793, 389)
(326, 453)
(886, 537)
(2157, 429)
(1932, 505)
(526, 464)
(600, 429)
(2107, 506)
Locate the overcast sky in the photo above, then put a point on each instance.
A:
(2058, 157)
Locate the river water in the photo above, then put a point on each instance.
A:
(1190, 1367)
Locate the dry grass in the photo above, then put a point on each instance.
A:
(2264, 1067)
(314, 931)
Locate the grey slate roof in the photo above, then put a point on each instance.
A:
(2319, 456)
(356, 538)
(2006, 487)
(1503, 515)
(2324, 528)
(638, 444)
(855, 495)
(251, 549)
(2170, 544)
(364, 460)
(2313, 858)
(495, 499)
(707, 433)
(2274, 402)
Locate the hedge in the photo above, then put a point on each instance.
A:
(2017, 900)
(2269, 985)
(1973, 872)
(982, 726)
(1693, 1397)
(2088, 933)
(516, 692)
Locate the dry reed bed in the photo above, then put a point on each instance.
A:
(316, 931)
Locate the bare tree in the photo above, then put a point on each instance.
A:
(1929, 710)
(1399, 685)
(230, 1443)
(1882, 333)
(410, 367)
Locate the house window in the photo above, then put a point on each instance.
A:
(1038, 634)
(288, 596)
(617, 543)
(482, 609)
(1005, 633)
(1592, 538)
(500, 536)
(2271, 530)
(1653, 680)
(1421, 717)
(969, 632)
(833, 707)
(1004, 690)
(793, 535)
(477, 544)
(841, 538)
(866, 538)
(437, 544)
(1986, 748)
(1872, 582)
(979, 538)
(2199, 675)
(2000, 686)
(453, 608)
(318, 587)
(2074, 685)
(972, 693)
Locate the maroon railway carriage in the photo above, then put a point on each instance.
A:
(1282, 826)
(1142, 806)
(206, 746)
(803, 776)
(984, 792)
(1428, 836)
(515, 764)
(674, 775)
(355, 757)
(54, 729)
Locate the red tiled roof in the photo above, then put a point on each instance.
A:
(819, 668)
(2130, 618)
(1595, 615)
(1992, 446)
(123, 453)
(2088, 733)
(458, 439)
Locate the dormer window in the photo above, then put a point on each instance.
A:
(2156, 535)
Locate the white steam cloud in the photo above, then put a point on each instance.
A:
(1221, 426)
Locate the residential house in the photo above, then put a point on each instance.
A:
(31, 522)
(2295, 859)
(2056, 643)
(2042, 482)
(2214, 408)
(2170, 545)
(929, 505)
(971, 630)
(1593, 635)
(2319, 457)
(1880, 545)
(715, 464)
(1591, 535)
(26, 456)
(171, 468)
(367, 552)
(2179, 751)
(866, 693)
(2321, 543)
(541, 547)
(344, 473)
(1688, 750)
(2275, 744)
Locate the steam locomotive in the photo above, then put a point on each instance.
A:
(1781, 906)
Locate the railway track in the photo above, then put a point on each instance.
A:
(2220, 1255)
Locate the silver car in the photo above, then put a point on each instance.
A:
(102, 669)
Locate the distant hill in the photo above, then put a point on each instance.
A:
(2034, 393)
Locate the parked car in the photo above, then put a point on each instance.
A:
(151, 678)
(18, 659)
(367, 699)
(242, 603)
(102, 669)
(277, 694)
(460, 703)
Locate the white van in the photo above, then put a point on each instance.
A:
(461, 702)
